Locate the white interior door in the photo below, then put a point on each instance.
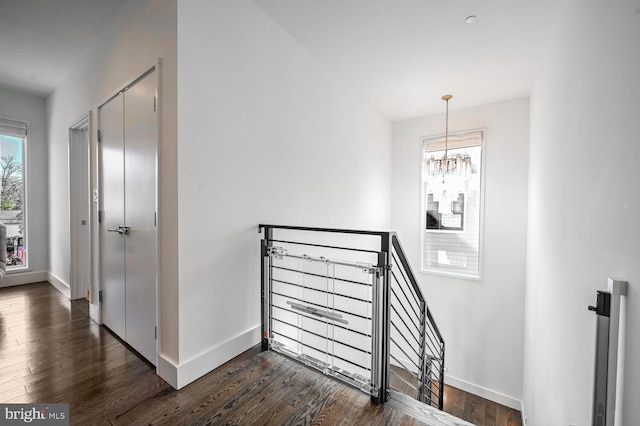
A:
(141, 138)
(129, 261)
(112, 241)
(79, 209)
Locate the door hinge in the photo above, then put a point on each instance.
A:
(100, 296)
(100, 216)
(155, 102)
(99, 136)
(155, 218)
(277, 252)
(367, 268)
(156, 332)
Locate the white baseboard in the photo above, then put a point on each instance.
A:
(181, 375)
(27, 277)
(94, 313)
(483, 392)
(59, 284)
(168, 370)
(524, 417)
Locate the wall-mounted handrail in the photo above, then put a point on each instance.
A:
(383, 339)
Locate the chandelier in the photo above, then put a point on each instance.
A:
(447, 177)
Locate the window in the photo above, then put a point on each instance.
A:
(451, 220)
(451, 205)
(13, 135)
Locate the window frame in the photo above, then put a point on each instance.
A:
(479, 276)
(7, 121)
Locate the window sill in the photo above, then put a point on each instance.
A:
(452, 274)
(444, 231)
(18, 270)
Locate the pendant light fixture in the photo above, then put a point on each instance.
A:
(447, 177)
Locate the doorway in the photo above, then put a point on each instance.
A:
(128, 140)
(79, 209)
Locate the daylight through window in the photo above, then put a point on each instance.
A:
(13, 135)
(451, 205)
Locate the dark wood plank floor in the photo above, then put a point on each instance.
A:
(51, 351)
(480, 411)
(459, 403)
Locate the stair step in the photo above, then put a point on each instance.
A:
(423, 412)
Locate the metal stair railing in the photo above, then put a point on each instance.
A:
(347, 303)
(416, 357)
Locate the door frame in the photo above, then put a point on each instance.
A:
(157, 67)
(80, 289)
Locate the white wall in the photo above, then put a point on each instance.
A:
(140, 33)
(267, 135)
(584, 207)
(32, 110)
(482, 322)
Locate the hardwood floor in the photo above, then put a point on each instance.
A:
(459, 403)
(480, 411)
(52, 352)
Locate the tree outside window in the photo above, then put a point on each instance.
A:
(12, 197)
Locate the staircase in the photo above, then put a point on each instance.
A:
(347, 303)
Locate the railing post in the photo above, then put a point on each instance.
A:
(376, 338)
(265, 280)
(441, 393)
(384, 260)
(380, 324)
(425, 373)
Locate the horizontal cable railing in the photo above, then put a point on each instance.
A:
(347, 303)
(417, 347)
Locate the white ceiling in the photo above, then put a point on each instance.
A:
(42, 40)
(400, 55)
(403, 55)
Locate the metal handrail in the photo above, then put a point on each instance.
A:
(333, 230)
(431, 357)
(407, 267)
(384, 301)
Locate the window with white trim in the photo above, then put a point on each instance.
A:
(451, 205)
(13, 137)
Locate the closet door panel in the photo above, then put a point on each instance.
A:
(140, 128)
(113, 242)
